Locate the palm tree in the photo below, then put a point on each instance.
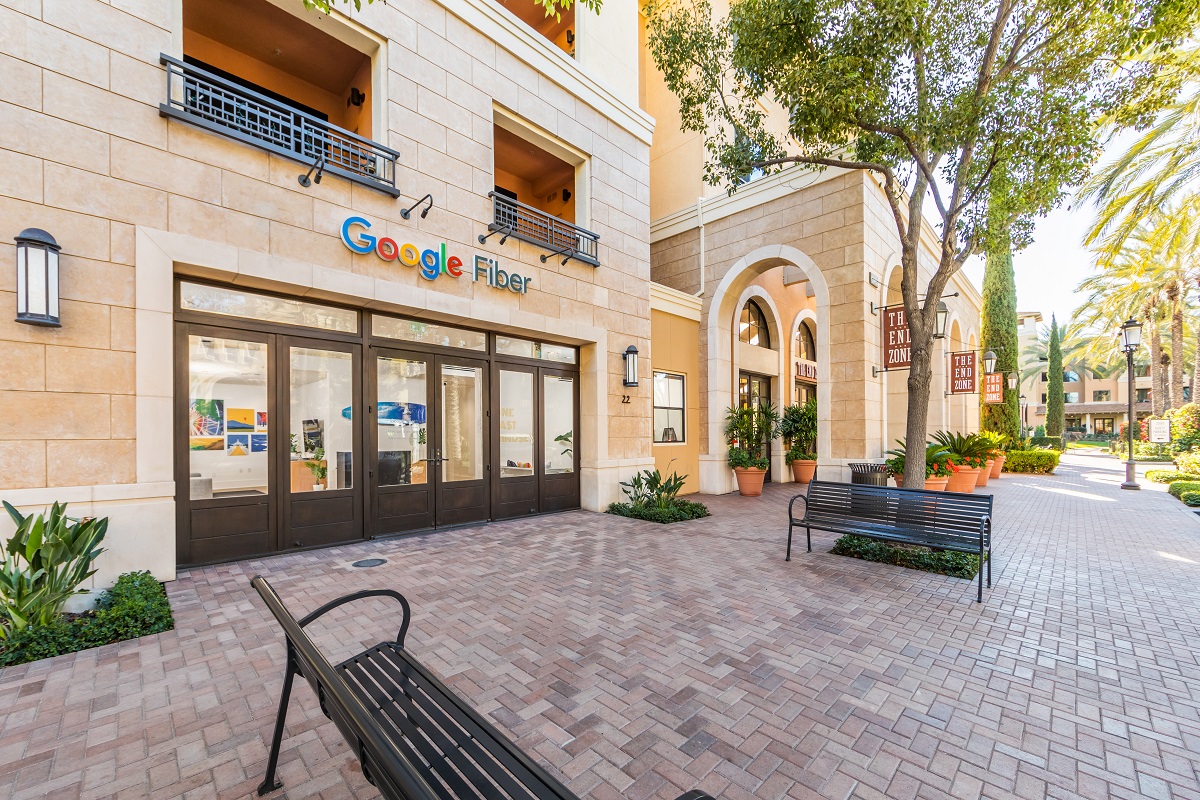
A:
(1075, 341)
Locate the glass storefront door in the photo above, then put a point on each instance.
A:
(752, 390)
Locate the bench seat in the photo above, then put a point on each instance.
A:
(938, 520)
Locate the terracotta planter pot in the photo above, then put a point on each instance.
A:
(936, 483)
(985, 472)
(750, 480)
(803, 471)
(899, 479)
(998, 465)
(963, 480)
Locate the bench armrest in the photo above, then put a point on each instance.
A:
(341, 601)
(791, 515)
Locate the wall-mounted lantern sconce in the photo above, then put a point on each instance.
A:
(356, 97)
(408, 211)
(631, 366)
(989, 362)
(943, 313)
(37, 278)
(1012, 380)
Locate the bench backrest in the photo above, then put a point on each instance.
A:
(948, 514)
(392, 774)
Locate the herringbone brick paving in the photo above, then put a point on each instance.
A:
(637, 661)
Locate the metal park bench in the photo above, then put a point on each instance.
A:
(938, 520)
(414, 737)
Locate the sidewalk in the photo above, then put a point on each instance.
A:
(638, 661)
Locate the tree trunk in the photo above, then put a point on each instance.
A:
(1177, 355)
(1196, 368)
(916, 430)
(1157, 383)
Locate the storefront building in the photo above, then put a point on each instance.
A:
(322, 278)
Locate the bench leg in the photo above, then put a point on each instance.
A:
(808, 536)
(269, 783)
(979, 598)
(791, 525)
(989, 567)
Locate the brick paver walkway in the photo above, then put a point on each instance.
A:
(638, 661)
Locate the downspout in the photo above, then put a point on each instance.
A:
(700, 220)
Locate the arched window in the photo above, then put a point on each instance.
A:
(753, 328)
(806, 345)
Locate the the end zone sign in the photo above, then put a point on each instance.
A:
(897, 342)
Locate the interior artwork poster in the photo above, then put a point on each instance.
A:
(206, 417)
(260, 421)
(239, 419)
(238, 444)
(258, 443)
(206, 442)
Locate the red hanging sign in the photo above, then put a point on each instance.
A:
(962, 373)
(897, 342)
(993, 387)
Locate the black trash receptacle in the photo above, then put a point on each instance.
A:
(869, 474)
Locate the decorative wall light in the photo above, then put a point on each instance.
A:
(631, 366)
(1012, 380)
(406, 213)
(989, 362)
(507, 229)
(306, 180)
(570, 251)
(943, 313)
(356, 97)
(37, 278)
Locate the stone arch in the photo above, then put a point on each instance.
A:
(721, 368)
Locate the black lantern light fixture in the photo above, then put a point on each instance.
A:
(630, 357)
(1012, 380)
(37, 278)
(1131, 339)
(943, 313)
(989, 362)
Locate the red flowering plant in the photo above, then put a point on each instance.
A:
(942, 469)
(967, 450)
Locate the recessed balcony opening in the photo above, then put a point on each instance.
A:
(533, 176)
(559, 31)
(537, 193)
(300, 85)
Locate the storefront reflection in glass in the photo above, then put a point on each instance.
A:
(559, 431)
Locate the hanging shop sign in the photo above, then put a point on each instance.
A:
(963, 373)
(993, 387)
(806, 371)
(1160, 431)
(433, 262)
(897, 342)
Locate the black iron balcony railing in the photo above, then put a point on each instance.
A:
(211, 102)
(529, 224)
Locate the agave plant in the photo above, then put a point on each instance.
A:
(44, 563)
(649, 488)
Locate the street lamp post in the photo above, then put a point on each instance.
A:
(1131, 337)
(1024, 416)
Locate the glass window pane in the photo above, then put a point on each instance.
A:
(462, 423)
(516, 424)
(661, 392)
(227, 417)
(508, 346)
(559, 429)
(403, 419)
(411, 330)
(240, 303)
(321, 431)
(556, 352)
(675, 385)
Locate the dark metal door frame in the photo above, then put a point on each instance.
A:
(444, 514)
(378, 495)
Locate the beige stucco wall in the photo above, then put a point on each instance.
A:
(85, 155)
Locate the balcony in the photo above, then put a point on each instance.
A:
(208, 101)
(529, 224)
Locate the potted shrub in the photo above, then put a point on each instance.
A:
(938, 469)
(969, 454)
(996, 442)
(799, 430)
(747, 432)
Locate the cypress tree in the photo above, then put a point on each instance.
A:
(1055, 417)
(999, 334)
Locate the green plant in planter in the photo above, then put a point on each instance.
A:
(936, 459)
(748, 431)
(996, 442)
(799, 429)
(969, 449)
(44, 563)
(317, 466)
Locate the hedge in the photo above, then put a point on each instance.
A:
(1190, 498)
(135, 606)
(1188, 462)
(1047, 441)
(1169, 476)
(945, 562)
(679, 511)
(1038, 462)
(1177, 488)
